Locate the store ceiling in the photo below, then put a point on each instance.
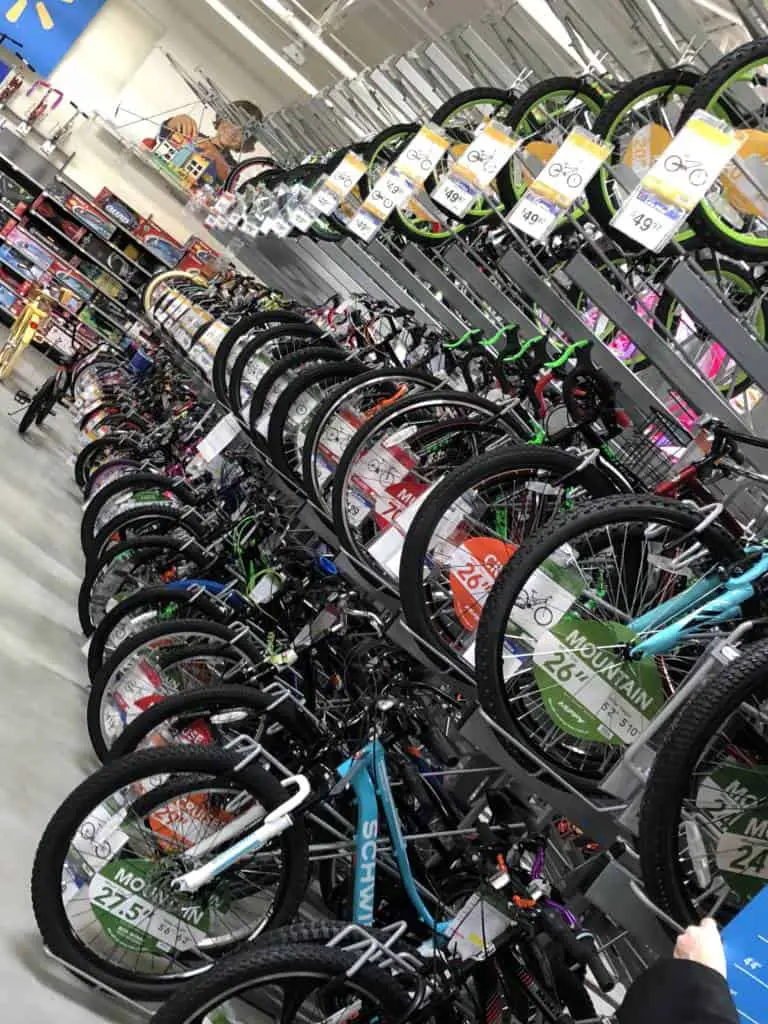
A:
(367, 32)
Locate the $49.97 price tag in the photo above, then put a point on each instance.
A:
(488, 153)
(681, 176)
(559, 184)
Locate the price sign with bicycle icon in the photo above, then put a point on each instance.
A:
(488, 153)
(338, 184)
(395, 187)
(681, 176)
(559, 184)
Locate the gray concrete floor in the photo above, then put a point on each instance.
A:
(44, 749)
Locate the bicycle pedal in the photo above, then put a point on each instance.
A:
(22, 397)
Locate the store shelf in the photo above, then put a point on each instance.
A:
(75, 245)
(19, 273)
(100, 312)
(9, 211)
(125, 231)
(20, 171)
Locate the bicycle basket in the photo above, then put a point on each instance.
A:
(649, 449)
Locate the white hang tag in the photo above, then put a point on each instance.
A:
(680, 177)
(335, 186)
(217, 439)
(422, 154)
(489, 152)
(559, 184)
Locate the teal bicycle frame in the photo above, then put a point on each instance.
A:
(710, 600)
(366, 774)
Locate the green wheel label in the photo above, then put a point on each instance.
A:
(588, 687)
(735, 801)
(145, 916)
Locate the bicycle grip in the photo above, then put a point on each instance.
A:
(602, 975)
(440, 745)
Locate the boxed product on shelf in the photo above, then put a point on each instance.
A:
(198, 254)
(50, 212)
(12, 194)
(14, 259)
(103, 304)
(159, 242)
(76, 283)
(126, 217)
(27, 245)
(8, 297)
(90, 317)
(90, 215)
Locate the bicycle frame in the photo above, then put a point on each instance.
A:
(724, 604)
(366, 773)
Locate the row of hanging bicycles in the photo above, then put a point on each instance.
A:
(637, 119)
(292, 614)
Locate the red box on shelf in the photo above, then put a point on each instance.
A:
(124, 214)
(159, 242)
(198, 254)
(50, 212)
(90, 215)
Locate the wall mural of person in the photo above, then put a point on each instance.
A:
(220, 148)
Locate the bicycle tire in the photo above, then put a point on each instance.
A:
(294, 338)
(143, 480)
(213, 699)
(419, 381)
(35, 404)
(143, 548)
(92, 451)
(280, 375)
(47, 897)
(318, 376)
(674, 767)
(373, 986)
(250, 322)
(218, 636)
(417, 608)
(601, 204)
(137, 522)
(708, 223)
(489, 673)
(144, 600)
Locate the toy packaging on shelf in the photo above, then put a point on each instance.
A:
(198, 254)
(113, 205)
(82, 210)
(21, 241)
(159, 242)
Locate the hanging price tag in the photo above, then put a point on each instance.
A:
(422, 154)
(679, 178)
(559, 184)
(391, 191)
(333, 187)
(489, 152)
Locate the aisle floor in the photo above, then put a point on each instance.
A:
(44, 751)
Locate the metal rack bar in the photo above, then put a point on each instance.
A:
(487, 290)
(429, 271)
(416, 290)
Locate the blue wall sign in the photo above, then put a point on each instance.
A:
(46, 28)
(746, 950)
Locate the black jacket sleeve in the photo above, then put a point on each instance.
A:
(679, 992)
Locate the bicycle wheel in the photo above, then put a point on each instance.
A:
(102, 888)
(167, 658)
(471, 524)
(146, 521)
(258, 357)
(211, 717)
(105, 449)
(238, 334)
(733, 216)
(542, 117)
(144, 485)
(292, 983)
(36, 403)
(289, 417)
(151, 605)
(338, 416)
(133, 564)
(277, 378)
(391, 462)
(570, 694)
(703, 833)
(638, 123)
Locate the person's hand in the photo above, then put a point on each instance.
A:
(183, 124)
(703, 944)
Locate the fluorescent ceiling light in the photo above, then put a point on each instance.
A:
(310, 38)
(264, 48)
